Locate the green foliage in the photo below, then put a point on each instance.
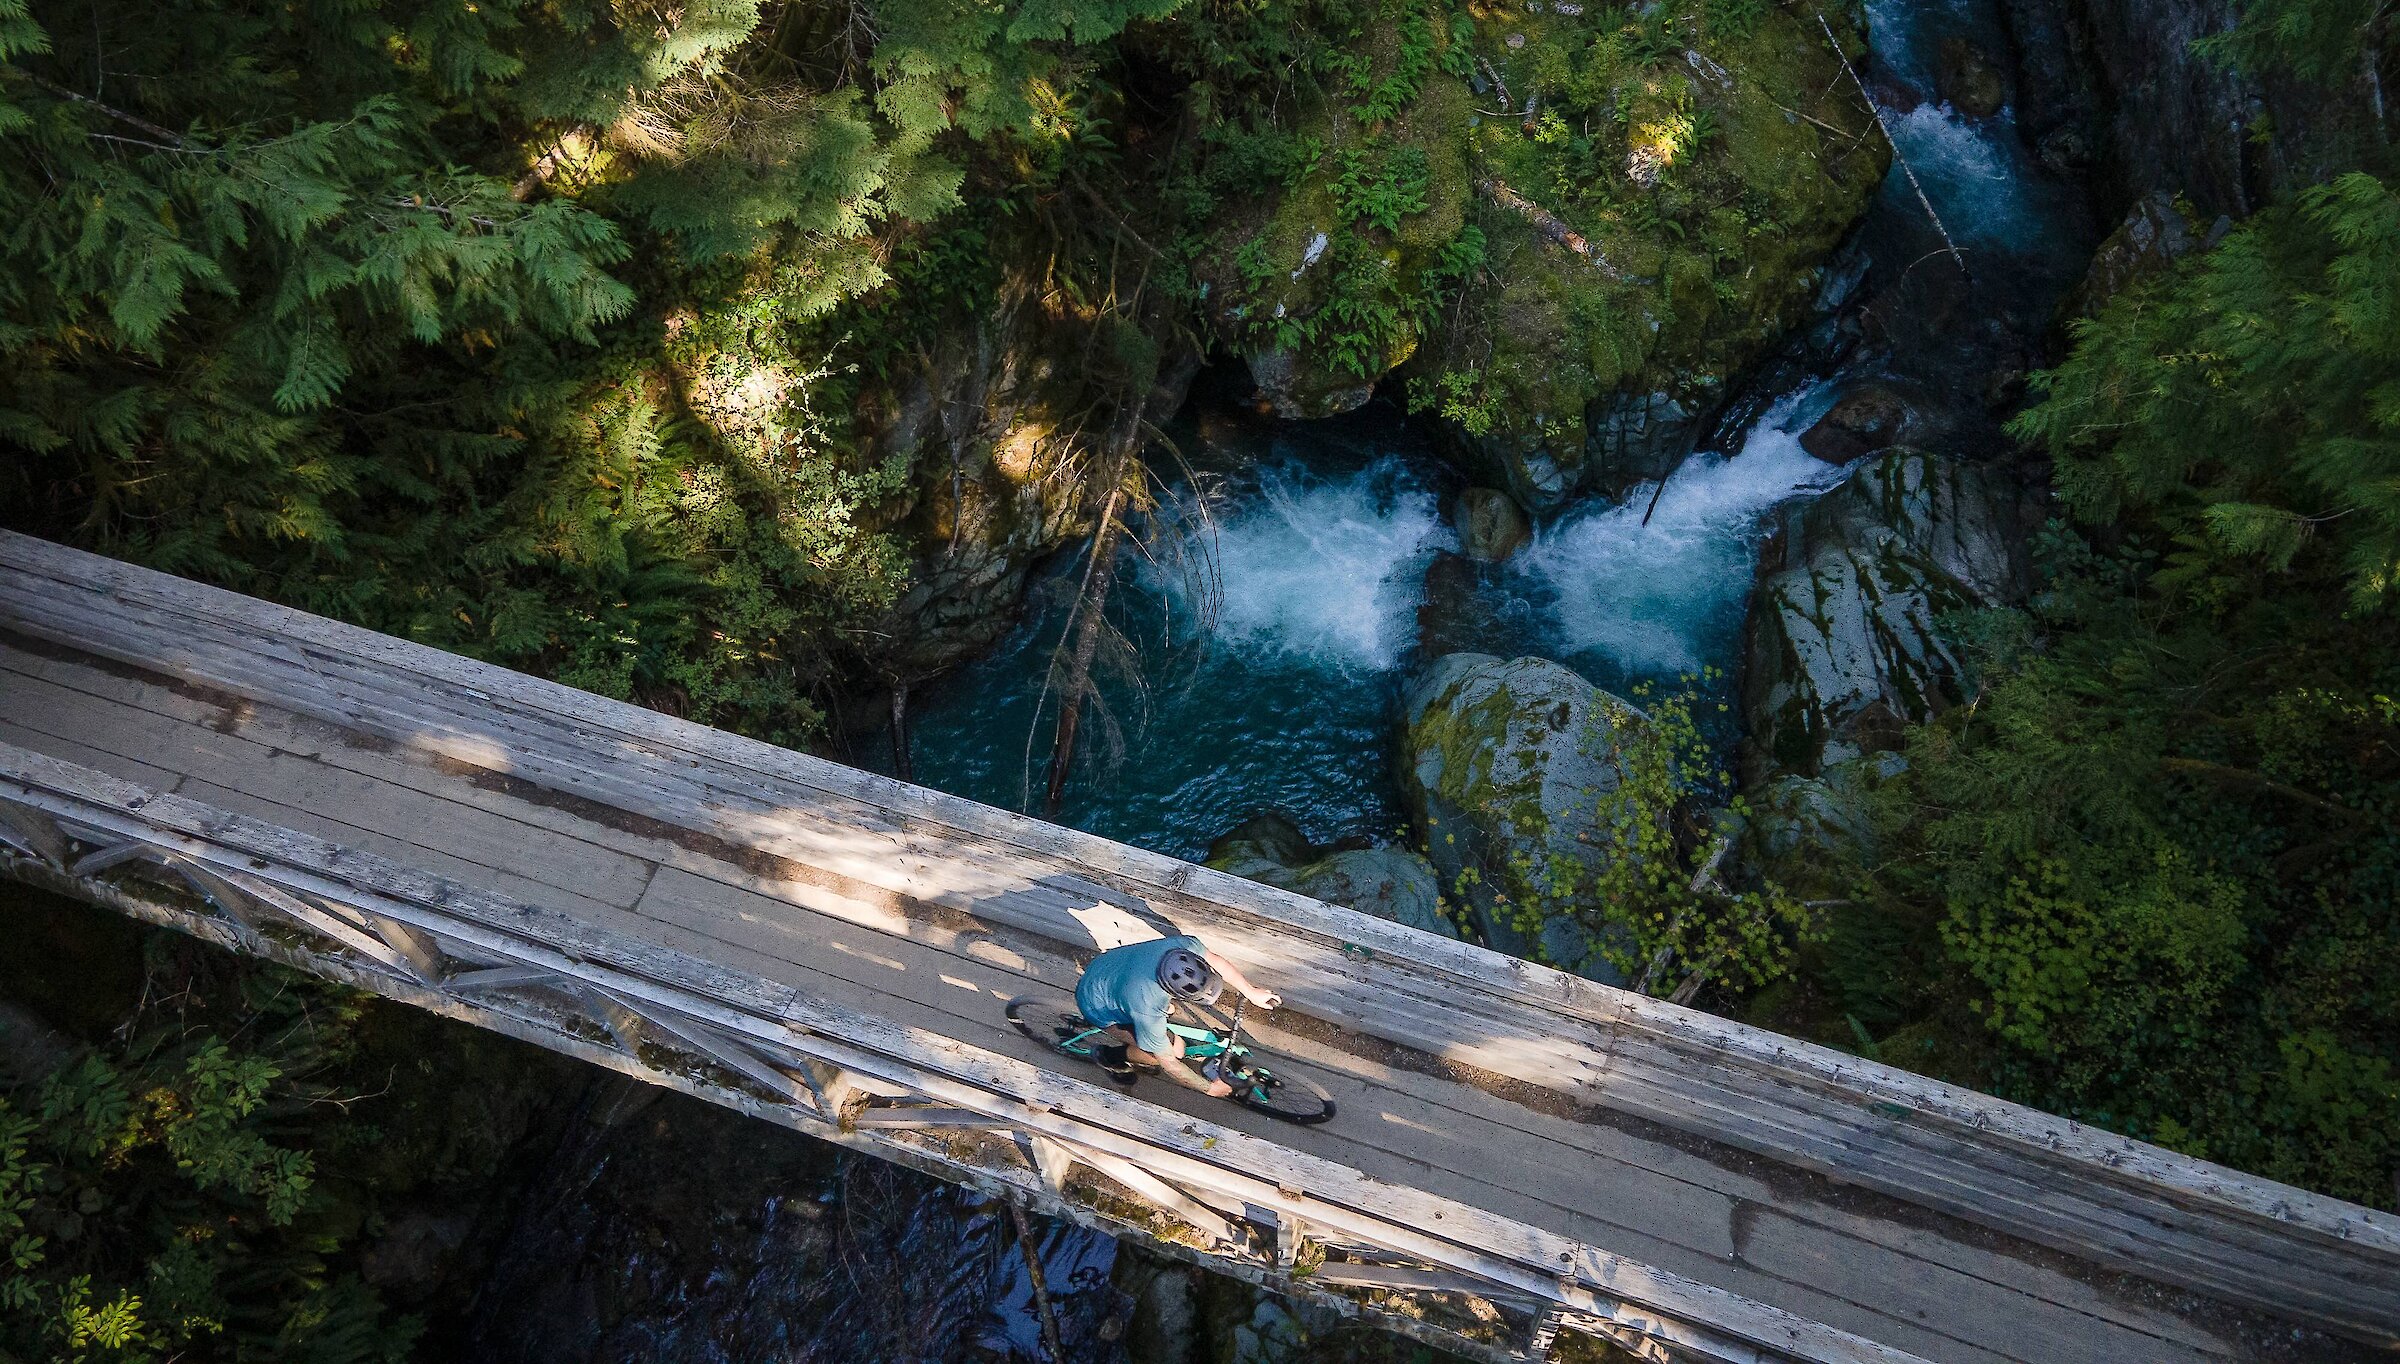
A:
(1733, 18)
(1380, 100)
(1457, 396)
(496, 328)
(2318, 40)
(1379, 186)
(2251, 403)
(2155, 862)
(155, 1206)
(1653, 901)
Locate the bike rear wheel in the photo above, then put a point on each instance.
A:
(1054, 1024)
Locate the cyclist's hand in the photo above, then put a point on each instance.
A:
(1218, 1089)
(1268, 1000)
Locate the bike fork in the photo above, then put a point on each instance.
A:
(1233, 1034)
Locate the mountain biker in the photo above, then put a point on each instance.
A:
(1129, 990)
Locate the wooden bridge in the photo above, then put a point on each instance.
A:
(1519, 1153)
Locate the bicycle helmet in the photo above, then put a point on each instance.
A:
(1187, 975)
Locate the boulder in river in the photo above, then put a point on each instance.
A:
(1970, 81)
(1389, 883)
(1491, 526)
(1845, 647)
(1864, 421)
(1638, 438)
(1504, 764)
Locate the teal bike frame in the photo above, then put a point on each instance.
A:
(1220, 1055)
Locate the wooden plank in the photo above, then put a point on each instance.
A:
(35, 833)
(914, 1116)
(2160, 1237)
(324, 826)
(498, 978)
(1407, 1279)
(1052, 1159)
(234, 761)
(1776, 1245)
(1158, 1193)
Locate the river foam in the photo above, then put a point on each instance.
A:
(1970, 171)
(1315, 568)
(1666, 598)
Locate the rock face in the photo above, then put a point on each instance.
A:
(1844, 649)
(1504, 764)
(1638, 438)
(1490, 525)
(2122, 77)
(1292, 389)
(1871, 419)
(1619, 441)
(987, 428)
(1389, 883)
(2154, 236)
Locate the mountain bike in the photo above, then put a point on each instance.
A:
(1278, 1093)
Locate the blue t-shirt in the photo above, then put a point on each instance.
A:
(1120, 988)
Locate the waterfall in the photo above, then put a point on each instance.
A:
(1666, 597)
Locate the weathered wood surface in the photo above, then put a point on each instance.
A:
(1844, 1192)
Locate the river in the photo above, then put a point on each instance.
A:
(1271, 614)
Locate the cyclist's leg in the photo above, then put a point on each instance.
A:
(1121, 1042)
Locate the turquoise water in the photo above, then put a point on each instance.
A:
(1264, 653)
(1272, 623)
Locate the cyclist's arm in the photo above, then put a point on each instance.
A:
(1173, 1065)
(1238, 981)
(1185, 1073)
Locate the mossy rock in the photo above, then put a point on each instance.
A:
(1706, 176)
(1504, 765)
(1317, 297)
(1389, 883)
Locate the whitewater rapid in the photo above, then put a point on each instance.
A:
(1655, 585)
(1324, 571)
(1308, 567)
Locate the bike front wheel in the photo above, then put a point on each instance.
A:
(1280, 1091)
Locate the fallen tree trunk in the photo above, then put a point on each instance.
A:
(1091, 619)
(1546, 223)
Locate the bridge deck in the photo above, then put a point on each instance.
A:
(1617, 1124)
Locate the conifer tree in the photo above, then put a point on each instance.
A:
(2252, 402)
